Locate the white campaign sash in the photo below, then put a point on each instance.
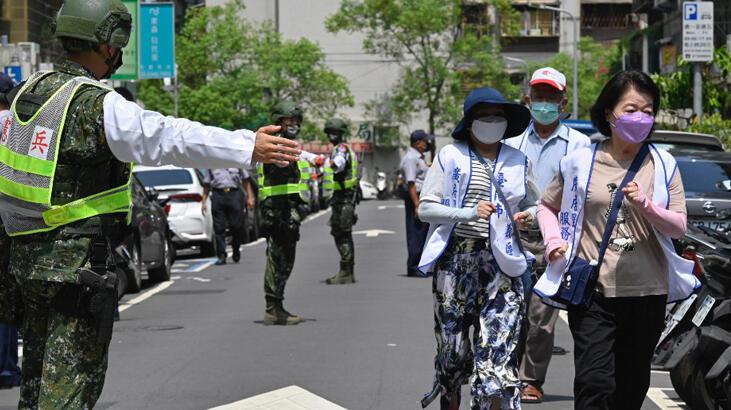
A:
(576, 170)
(510, 171)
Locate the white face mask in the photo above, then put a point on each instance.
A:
(489, 130)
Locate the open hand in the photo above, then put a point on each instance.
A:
(485, 209)
(524, 220)
(269, 149)
(635, 194)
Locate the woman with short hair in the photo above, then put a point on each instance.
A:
(639, 271)
(472, 195)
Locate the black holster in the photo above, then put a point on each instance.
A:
(94, 296)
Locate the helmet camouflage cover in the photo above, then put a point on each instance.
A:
(337, 124)
(286, 109)
(96, 21)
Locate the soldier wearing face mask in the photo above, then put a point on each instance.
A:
(284, 195)
(545, 142)
(344, 167)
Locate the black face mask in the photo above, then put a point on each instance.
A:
(334, 139)
(113, 64)
(290, 131)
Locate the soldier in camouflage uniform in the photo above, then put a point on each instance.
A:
(345, 170)
(78, 156)
(284, 197)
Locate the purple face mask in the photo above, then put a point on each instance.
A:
(634, 127)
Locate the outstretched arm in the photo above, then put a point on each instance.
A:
(149, 138)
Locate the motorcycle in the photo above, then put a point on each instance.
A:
(382, 185)
(695, 346)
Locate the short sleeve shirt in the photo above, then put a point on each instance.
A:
(225, 178)
(634, 263)
(414, 167)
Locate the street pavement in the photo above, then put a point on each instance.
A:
(197, 342)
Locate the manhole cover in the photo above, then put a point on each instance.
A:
(161, 328)
(194, 292)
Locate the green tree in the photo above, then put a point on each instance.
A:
(438, 56)
(676, 87)
(597, 65)
(232, 72)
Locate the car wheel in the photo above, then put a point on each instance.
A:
(134, 282)
(162, 273)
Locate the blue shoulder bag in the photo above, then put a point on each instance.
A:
(578, 284)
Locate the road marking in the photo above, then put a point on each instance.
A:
(200, 279)
(256, 242)
(200, 266)
(292, 397)
(144, 296)
(663, 401)
(382, 207)
(317, 215)
(373, 233)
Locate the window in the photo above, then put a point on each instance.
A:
(164, 177)
(703, 176)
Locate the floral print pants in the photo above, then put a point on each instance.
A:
(470, 291)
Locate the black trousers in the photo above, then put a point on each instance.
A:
(613, 344)
(228, 211)
(416, 232)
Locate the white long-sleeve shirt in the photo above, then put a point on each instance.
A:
(149, 138)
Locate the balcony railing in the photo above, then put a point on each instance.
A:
(615, 21)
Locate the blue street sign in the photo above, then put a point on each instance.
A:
(15, 72)
(157, 40)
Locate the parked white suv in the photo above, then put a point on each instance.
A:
(181, 192)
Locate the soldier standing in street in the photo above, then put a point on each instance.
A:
(228, 207)
(65, 196)
(344, 165)
(284, 195)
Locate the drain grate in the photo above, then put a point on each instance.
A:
(162, 328)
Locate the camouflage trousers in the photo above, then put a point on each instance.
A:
(470, 291)
(341, 226)
(281, 249)
(63, 363)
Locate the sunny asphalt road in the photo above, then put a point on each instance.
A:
(197, 342)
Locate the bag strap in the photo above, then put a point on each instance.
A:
(618, 197)
(502, 199)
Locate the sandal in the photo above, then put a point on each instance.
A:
(531, 394)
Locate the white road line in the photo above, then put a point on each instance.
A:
(144, 296)
(202, 266)
(317, 215)
(256, 242)
(662, 400)
(292, 397)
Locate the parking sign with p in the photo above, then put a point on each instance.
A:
(690, 11)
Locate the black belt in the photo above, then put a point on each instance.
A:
(225, 189)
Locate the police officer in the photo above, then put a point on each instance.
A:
(228, 207)
(284, 195)
(66, 196)
(413, 168)
(344, 167)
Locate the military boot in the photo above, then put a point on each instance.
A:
(343, 277)
(276, 314)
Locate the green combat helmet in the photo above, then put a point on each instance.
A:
(337, 124)
(286, 109)
(96, 22)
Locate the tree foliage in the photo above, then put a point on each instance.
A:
(676, 87)
(438, 57)
(232, 72)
